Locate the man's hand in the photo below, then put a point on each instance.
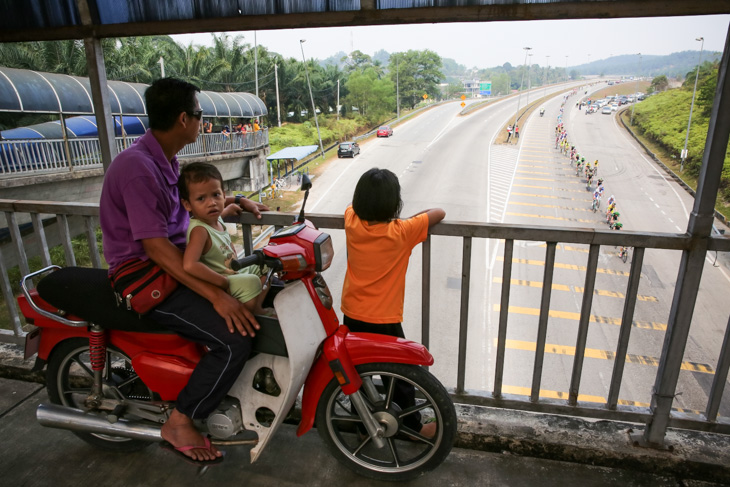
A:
(236, 315)
(231, 210)
(253, 207)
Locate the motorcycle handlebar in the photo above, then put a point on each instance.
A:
(256, 258)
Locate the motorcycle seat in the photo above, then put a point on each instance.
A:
(86, 293)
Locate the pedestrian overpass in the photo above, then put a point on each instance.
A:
(92, 20)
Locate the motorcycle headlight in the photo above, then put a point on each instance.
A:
(323, 252)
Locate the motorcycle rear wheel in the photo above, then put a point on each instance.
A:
(405, 456)
(69, 379)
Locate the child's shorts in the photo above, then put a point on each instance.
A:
(244, 287)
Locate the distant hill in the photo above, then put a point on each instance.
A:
(673, 65)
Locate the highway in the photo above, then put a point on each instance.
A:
(446, 160)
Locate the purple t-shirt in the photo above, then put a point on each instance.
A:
(139, 199)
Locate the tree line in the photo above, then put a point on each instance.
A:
(366, 87)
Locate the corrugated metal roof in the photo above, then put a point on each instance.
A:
(297, 153)
(76, 19)
(23, 90)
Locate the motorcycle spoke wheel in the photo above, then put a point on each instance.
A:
(407, 453)
(70, 377)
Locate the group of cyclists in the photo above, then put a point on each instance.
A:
(590, 172)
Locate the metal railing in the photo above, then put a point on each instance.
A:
(707, 420)
(25, 157)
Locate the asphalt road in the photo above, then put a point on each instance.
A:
(451, 161)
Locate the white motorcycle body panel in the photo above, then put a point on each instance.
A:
(303, 333)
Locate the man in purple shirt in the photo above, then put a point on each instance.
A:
(141, 217)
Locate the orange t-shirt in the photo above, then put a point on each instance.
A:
(377, 260)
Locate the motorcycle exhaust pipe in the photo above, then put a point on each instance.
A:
(62, 417)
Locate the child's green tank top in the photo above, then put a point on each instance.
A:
(221, 251)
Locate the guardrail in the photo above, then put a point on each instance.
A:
(25, 157)
(467, 233)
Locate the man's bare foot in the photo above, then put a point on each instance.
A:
(429, 430)
(180, 432)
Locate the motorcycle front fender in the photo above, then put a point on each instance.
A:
(363, 348)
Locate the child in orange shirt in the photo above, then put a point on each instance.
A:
(379, 245)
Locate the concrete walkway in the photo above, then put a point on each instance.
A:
(36, 456)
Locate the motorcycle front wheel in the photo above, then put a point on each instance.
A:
(69, 379)
(407, 454)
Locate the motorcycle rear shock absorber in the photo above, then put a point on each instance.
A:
(97, 358)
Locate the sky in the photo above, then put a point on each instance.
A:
(485, 45)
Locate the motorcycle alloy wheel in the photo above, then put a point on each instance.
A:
(406, 454)
(69, 379)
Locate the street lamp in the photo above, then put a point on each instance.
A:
(529, 82)
(519, 96)
(547, 75)
(566, 69)
(311, 97)
(636, 88)
(697, 75)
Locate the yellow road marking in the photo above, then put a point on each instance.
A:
(547, 187)
(575, 289)
(519, 203)
(534, 172)
(603, 355)
(571, 267)
(526, 391)
(522, 178)
(567, 315)
(548, 217)
(546, 166)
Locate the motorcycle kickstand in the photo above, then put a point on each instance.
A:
(375, 430)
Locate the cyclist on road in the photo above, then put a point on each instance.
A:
(617, 226)
(595, 167)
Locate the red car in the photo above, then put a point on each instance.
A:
(385, 131)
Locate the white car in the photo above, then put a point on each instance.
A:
(606, 110)
(614, 106)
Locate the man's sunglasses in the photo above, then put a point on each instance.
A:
(196, 113)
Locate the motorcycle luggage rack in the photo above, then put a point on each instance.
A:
(42, 312)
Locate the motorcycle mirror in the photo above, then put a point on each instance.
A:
(306, 182)
(306, 186)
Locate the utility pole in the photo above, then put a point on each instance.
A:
(519, 96)
(529, 82)
(397, 87)
(161, 62)
(691, 107)
(311, 97)
(631, 121)
(256, 62)
(546, 76)
(338, 100)
(276, 80)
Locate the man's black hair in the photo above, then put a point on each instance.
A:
(196, 172)
(166, 99)
(377, 196)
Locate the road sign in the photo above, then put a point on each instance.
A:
(463, 97)
(485, 88)
(463, 104)
(425, 96)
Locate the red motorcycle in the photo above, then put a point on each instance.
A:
(113, 376)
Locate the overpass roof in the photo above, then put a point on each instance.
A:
(33, 20)
(22, 90)
(298, 152)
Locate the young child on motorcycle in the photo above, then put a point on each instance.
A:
(209, 248)
(379, 245)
